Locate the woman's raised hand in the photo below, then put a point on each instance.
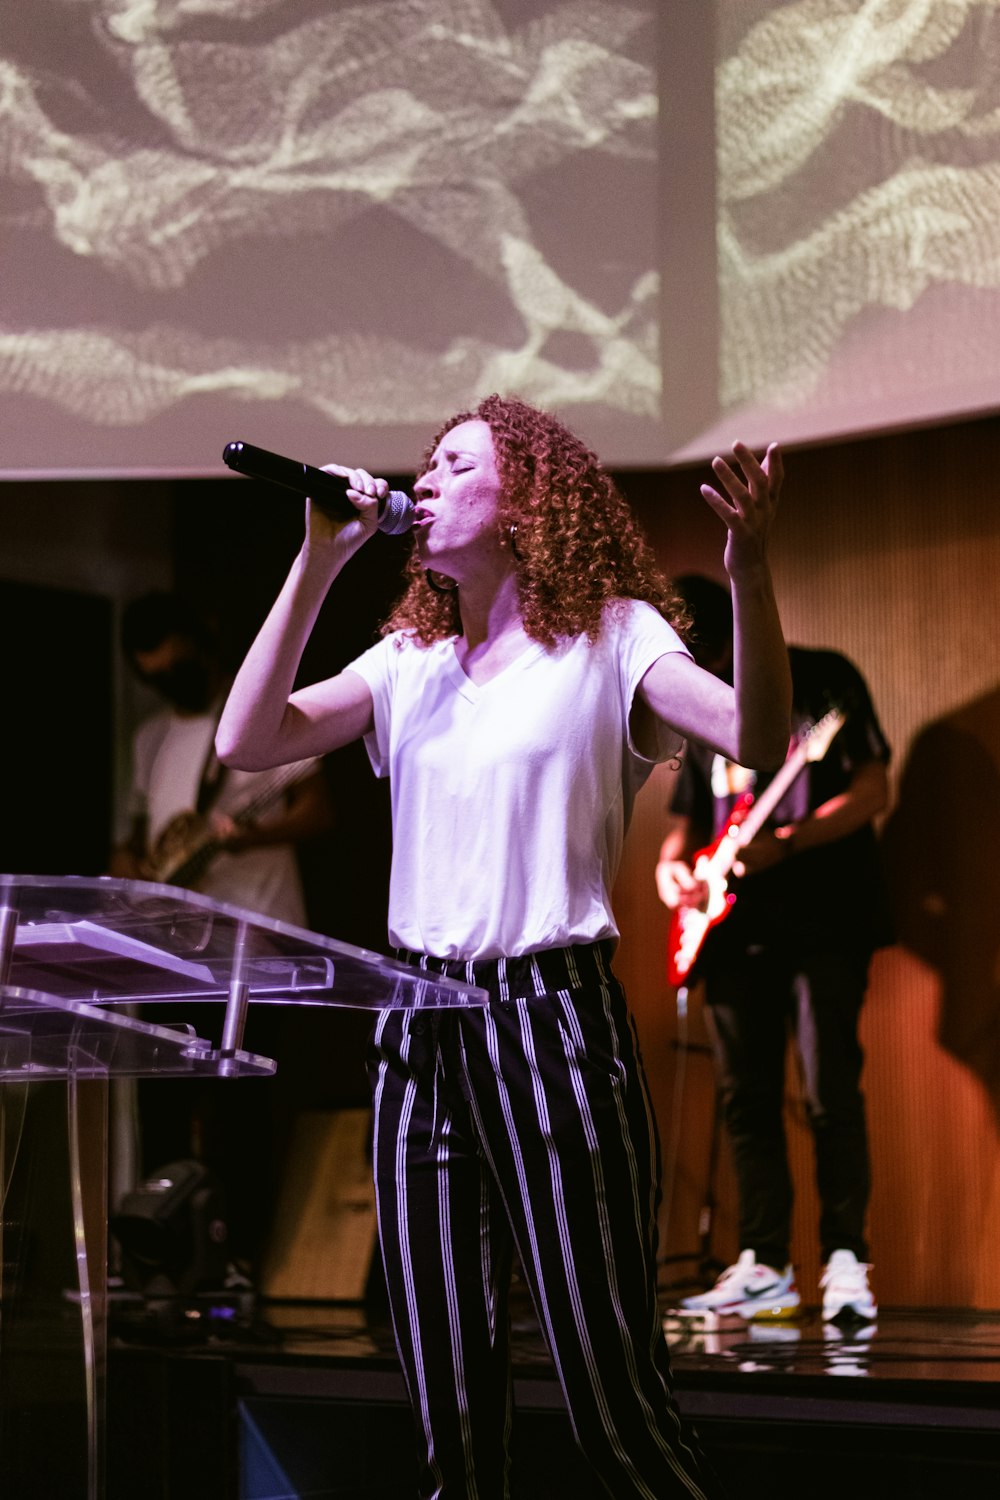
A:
(748, 505)
(365, 494)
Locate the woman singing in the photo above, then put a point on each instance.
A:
(528, 680)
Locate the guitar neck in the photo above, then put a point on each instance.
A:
(739, 834)
(267, 794)
(764, 805)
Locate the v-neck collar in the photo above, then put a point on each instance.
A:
(473, 690)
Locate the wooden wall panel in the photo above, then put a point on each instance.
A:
(889, 550)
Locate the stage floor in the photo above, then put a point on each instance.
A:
(908, 1405)
(904, 1346)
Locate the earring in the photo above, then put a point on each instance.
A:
(451, 587)
(512, 539)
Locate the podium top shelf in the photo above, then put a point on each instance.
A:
(108, 942)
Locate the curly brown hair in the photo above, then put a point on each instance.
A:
(576, 544)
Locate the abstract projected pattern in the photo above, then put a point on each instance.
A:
(859, 202)
(322, 226)
(273, 219)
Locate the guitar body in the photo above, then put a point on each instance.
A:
(187, 839)
(690, 925)
(189, 843)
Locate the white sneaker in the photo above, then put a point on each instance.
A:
(847, 1292)
(749, 1290)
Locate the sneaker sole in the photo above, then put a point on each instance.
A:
(848, 1313)
(781, 1312)
(777, 1310)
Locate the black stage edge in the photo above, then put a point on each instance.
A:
(219, 1401)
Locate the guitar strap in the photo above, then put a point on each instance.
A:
(213, 772)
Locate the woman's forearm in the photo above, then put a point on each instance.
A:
(761, 676)
(259, 727)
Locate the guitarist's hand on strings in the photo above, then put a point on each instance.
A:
(678, 886)
(676, 882)
(230, 834)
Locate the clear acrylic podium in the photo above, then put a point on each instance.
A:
(89, 968)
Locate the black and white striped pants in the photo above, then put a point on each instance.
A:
(526, 1124)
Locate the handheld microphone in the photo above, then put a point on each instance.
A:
(395, 512)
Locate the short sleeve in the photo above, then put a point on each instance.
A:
(645, 636)
(864, 739)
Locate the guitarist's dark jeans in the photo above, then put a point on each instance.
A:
(753, 1006)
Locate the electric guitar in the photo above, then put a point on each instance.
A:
(690, 925)
(188, 844)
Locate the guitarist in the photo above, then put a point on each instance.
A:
(791, 956)
(179, 788)
(175, 777)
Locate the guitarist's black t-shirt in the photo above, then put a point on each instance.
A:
(834, 894)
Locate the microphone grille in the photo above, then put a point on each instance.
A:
(397, 514)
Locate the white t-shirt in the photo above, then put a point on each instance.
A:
(169, 756)
(510, 800)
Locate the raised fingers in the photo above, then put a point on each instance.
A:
(747, 481)
(774, 466)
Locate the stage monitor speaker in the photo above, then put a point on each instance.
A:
(323, 1241)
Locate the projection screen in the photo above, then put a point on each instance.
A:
(322, 227)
